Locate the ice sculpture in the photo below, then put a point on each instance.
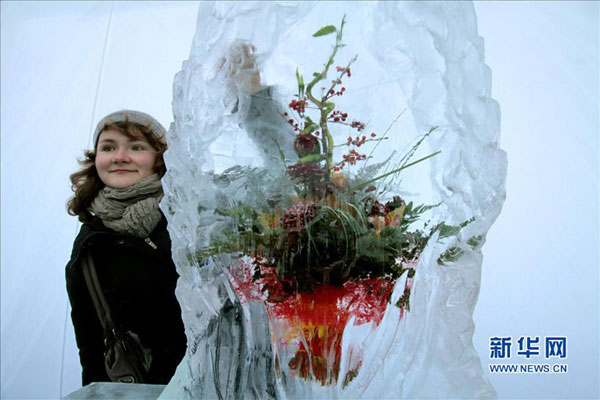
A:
(420, 65)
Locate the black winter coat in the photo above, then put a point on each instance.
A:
(138, 279)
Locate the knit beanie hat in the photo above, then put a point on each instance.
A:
(136, 117)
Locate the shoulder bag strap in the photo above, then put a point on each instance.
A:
(93, 284)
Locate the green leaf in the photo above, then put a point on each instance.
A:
(448, 230)
(391, 172)
(329, 106)
(300, 83)
(326, 30)
(309, 128)
(451, 255)
(281, 155)
(313, 158)
(475, 241)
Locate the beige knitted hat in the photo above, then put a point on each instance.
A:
(136, 117)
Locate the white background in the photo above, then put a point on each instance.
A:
(64, 65)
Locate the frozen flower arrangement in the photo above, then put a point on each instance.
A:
(331, 248)
(336, 230)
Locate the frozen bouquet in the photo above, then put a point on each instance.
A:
(332, 250)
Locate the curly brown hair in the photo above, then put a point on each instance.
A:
(86, 182)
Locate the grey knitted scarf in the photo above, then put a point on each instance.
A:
(132, 210)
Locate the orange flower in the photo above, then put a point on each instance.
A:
(394, 218)
(339, 180)
(378, 222)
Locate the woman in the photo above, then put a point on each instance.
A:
(116, 197)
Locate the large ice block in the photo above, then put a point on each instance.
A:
(419, 65)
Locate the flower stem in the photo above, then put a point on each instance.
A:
(392, 172)
(323, 105)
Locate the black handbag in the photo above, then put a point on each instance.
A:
(125, 358)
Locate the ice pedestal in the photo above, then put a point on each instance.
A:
(113, 390)
(425, 57)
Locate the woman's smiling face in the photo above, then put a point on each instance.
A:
(122, 161)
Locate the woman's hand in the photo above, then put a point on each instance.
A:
(240, 67)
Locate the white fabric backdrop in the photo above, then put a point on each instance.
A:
(58, 79)
(64, 65)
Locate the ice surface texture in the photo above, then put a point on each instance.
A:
(423, 56)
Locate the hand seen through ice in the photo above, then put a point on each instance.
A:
(240, 67)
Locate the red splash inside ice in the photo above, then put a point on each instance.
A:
(314, 323)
